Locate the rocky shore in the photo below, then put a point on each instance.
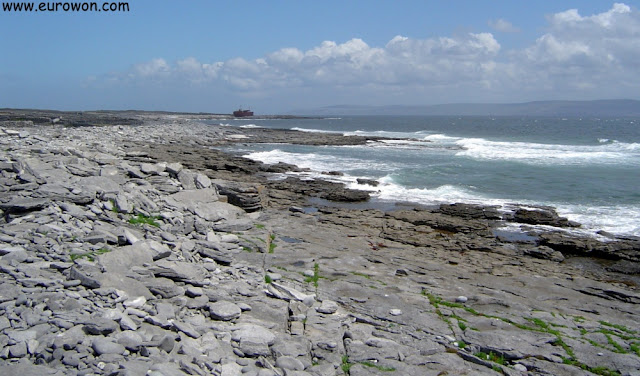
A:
(133, 247)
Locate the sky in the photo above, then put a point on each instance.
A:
(280, 56)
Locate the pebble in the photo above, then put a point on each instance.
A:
(461, 299)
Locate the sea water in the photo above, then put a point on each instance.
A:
(588, 169)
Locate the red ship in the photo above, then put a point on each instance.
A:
(242, 113)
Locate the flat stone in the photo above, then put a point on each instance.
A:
(174, 168)
(202, 181)
(102, 345)
(290, 363)
(18, 350)
(164, 287)
(328, 307)
(186, 328)
(24, 204)
(179, 271)
(224, 310)
(88, 275)
(100, 326)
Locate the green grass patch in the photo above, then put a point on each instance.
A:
(267, 279)
(618, 326)
(367, 276)
(260, 226)
(345, 365)
(272, 245)
(91, 255)
(142, 219)
(378, 367)
(579, 319)
(616, 345)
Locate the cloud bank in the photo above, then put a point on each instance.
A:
(577, 57)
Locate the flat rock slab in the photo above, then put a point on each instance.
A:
(224, 310)
(179, 271)
(24, 204)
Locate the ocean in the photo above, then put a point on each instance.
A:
(588, 169)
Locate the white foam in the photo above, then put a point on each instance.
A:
(250, 126)
(618, 219)
(534, 153)
(313, 130)
(317, 162)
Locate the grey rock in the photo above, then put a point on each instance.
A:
(179, 271)
(18, 350)
(167, 343)
(164, 287)
(224, 310)
(124, 258)
(88, 275)
(287, 293)
(100, 326)
(123, 205)
(102, 345)
(202, 181)
(186, 328)
(254, 340)
(23, 204)
(174, 168)
(131, 340)
(544, 252)
(328, 307)
(25, 368)
(290, 363)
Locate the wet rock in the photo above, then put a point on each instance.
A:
(546, 253)
(542, 216)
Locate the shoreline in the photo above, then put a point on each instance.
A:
(239, 277)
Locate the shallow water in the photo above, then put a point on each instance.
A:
(589, 169)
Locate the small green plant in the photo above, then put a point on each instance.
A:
(141, 219)
(315, 277)
(260, 226)
(579, 319)
(271, 246)
(346, 365)
(247, 249)
(267, 278)
(462, 325)
(91, 255)
(114, 207)
(376, 366)
(367, 276)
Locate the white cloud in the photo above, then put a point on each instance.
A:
(153, 68)
(589, 56)
(503, 26)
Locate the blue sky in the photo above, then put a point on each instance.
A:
(278, 56)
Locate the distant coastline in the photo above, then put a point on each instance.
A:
(559, 108)
(556, 108)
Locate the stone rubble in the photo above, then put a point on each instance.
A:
(113, 262)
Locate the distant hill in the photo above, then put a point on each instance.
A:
(598, 108)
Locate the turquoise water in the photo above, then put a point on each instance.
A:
(589, 169)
